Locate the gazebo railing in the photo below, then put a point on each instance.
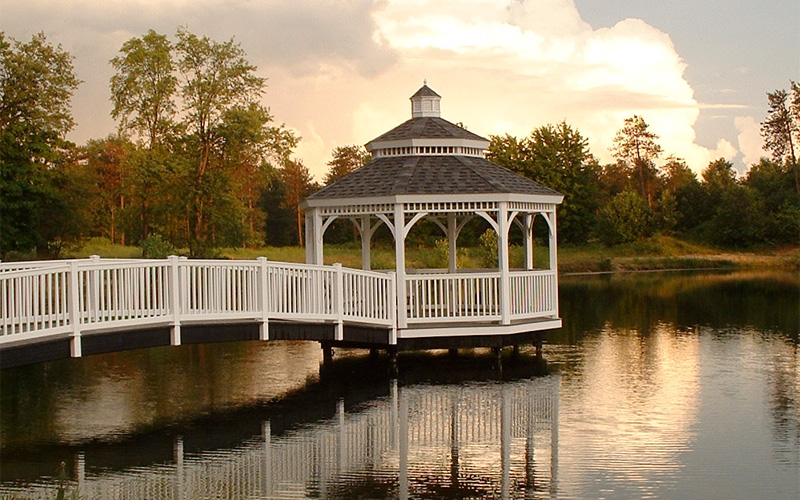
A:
(439, 298)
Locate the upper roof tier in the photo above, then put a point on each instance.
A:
(427, 133)
(425, 158)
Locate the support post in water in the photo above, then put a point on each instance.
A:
(327, 352)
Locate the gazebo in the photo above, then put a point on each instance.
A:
(430, 168)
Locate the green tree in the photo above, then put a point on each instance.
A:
(626, 218)
(143, 88)
(36, 85)
(218, 84)
(636, 146)
(345, 159)
(558, 157)
(781, 128)
(773, 184)
(143, 91)
(298, 184)
(107, 160)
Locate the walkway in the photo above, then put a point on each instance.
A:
(97, 305)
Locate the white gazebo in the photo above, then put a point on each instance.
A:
(430, 168)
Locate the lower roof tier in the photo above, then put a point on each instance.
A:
(430, 175)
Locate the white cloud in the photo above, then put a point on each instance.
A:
(340, 71)
(750, 142)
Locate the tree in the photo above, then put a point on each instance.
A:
(107, 159)
(773, 185)
(36, 85)
(143, 88)
(298, 184)
(218, 83)
(626, 218)
(345, 159)
(718, 177)
(635, 145)
(781, 128)
(558, 157)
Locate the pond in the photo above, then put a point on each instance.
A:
(659, 385)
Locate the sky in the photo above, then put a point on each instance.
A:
(341, 72)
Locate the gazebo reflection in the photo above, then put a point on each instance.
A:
(495, 435)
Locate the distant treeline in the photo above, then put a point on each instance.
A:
(197, 163)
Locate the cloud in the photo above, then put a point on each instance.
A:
(750, 142)
(340, 72)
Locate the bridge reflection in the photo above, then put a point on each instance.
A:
(350, 435)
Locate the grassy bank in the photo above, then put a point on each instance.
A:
(657, 253)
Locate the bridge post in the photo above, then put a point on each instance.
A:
(393, 306)
(338, 298)
(174, 301)
(263, 328)
(74, 310)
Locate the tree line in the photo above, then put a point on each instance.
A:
(197, 162)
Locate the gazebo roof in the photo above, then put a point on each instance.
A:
(430, 156)
(428, 127)
(430, 175)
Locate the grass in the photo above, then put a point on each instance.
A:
(655, 253)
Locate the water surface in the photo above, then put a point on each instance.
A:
(660, 385)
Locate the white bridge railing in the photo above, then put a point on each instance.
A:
(43, 299)
(46, 299)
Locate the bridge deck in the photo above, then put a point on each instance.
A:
(71, 308)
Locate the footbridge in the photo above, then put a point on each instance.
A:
(53, 309)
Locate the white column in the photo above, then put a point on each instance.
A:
(553, 250)
(366, 237)
(502, 254)
(318, 237)
(553, 242)
(400, 263)
(174, 301)
(74, 304)
(263, 276)
(309, 222)
(452, 237)
(527, 239)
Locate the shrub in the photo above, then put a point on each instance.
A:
(155, 247)
(626, 218)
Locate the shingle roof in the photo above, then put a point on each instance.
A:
(430, 175)
(425, 91)
(427, 128)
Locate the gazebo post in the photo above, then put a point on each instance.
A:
(553, 241)
(527, 240)
(309, 223)
(452, 237)
(400, 263)
(502, 258)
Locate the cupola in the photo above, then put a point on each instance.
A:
(425, 103)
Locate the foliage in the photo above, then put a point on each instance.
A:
(196, 177)
(143, 88)
(36, 85)
(156, 247)
(635, 146)
(488, 249)
(781, 128)
(346, 159)
(626, 218)
(557, 157)
(298, 183)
